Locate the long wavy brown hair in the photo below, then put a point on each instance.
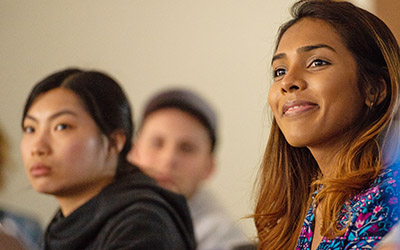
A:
(288, 175)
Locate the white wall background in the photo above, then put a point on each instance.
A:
(219, 48)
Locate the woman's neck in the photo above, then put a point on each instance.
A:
(325, 153)
(325, 158)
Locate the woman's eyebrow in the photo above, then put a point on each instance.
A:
(278, 56)
(304, 49)
(313, 47)
(53, 116)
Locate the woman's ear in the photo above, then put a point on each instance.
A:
(118, 139)
(375, 96)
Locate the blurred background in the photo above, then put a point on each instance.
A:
(218, 48)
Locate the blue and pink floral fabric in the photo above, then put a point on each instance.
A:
(372, 214)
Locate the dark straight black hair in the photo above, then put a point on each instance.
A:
(103, 98)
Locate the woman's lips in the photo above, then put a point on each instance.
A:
(39, 170)
(297, 107)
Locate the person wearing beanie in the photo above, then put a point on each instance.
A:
(176, 145)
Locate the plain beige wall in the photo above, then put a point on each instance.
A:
(220, 48)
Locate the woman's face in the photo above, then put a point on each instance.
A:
(63, 151)
(314, 97)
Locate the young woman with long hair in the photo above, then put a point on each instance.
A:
(328, 178)
(77, 133)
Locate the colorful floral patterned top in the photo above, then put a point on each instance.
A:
(373, 213)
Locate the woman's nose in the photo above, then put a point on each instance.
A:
(293, 81)
(40, 145)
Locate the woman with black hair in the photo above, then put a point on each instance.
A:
(77, 131)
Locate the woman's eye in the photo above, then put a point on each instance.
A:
(279, 72)
(61, 126)
(28, 130)
(318, 62)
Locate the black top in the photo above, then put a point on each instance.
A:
(131, 213)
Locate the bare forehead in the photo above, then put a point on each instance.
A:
(55, 101)
(309, 31)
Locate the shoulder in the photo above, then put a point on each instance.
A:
(214, 228)
(383, 188)
(144, 216)
(374, 211)
(388, 178)
(20, 219)
(24, 227)
(147, 224)
(151, 216)
(207, 212)
(382, 192)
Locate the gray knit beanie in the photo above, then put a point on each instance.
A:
(187, 101)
